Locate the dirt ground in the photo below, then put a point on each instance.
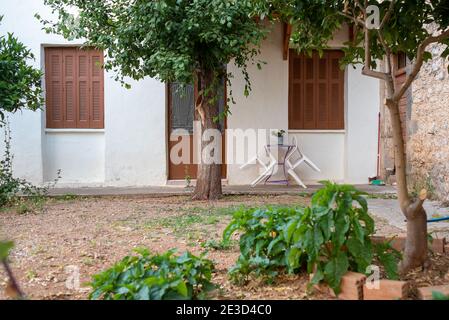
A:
(71, 234)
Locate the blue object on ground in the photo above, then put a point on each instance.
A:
(438, 219)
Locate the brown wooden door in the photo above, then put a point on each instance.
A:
(181, 115)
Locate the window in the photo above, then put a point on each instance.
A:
(74, 88)
(401, 61)
(316, 91)
(182, 105)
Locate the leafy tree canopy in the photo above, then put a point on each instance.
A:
(404, 24)
(19, 82)
(165, 39)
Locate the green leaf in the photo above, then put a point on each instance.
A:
(439, 296)
(182, 289)
(317, 277)
(390, 264)
(5, 247)
(335, 269)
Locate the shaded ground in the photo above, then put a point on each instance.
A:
(93, 233)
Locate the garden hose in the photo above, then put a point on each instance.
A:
(438, 219)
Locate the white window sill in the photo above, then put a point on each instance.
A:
(317, 131)
(74, 131)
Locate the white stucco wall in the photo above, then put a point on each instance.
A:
(362, 116)
(348, 155)
(135, 135)
(62, 152)
(267, 105)
(130, 151)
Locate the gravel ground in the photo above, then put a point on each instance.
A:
(72, 234)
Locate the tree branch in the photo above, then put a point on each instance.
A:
(17, 292)
(417, 205)
(419, 62)
(367, 71)
(353, 18)
(387, 15)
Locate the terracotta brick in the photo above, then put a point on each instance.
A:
(438, 245)
(352, 286)
(397, 243)
(425, 293)
(378, 239)
(388, 290)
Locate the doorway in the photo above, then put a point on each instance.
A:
(181, 116)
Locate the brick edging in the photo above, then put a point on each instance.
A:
(439, 245)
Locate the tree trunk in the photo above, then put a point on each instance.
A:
(208, 183)
(415, 254)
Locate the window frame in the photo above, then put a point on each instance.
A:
(93, 55)
(296, 110)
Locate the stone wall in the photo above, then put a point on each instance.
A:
(427, 130)
(428, 144)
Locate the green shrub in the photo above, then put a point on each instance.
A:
(439, 296)
(262, 245)
(155, 277)
(11, 188)
(329, 238)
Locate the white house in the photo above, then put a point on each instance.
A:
(101, 134)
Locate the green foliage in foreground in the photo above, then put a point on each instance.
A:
(439, 296)
(11, 188)
(5, 247)
(329, 239)
(155, 277)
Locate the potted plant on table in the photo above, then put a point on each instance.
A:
(280, 135)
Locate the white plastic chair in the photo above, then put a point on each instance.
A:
(267, 168)
(291, 166)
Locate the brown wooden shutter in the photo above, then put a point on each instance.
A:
(74, 88)
(97, 89)
(316, 91)
(54, 88)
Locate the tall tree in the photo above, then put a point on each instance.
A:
(20, 83)
(382, 29)
(187, 41)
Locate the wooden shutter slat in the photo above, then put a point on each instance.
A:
(54, 88)
(309, 92)
(296, 92)
(336, 92)
(97, 89)
(83, 89)
(322, 92)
